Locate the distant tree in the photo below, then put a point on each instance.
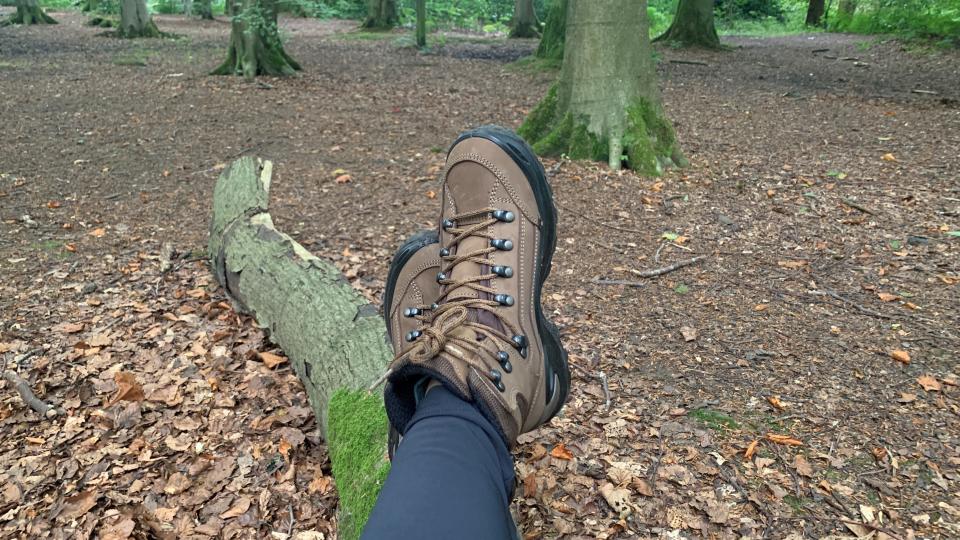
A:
(606, 105)
(255, 46)
(524, 23)
(554, 32)
(381, 14)
(135, 20)
(206, 10)
(421, 30)
(28, 12)
(693, 25)
(815, 11)
(847, 8)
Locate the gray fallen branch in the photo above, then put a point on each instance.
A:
(23, 388)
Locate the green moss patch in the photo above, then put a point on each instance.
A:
(713, 419)
(357, 441)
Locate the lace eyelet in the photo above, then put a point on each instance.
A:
(444, 252)
(413, 335)
(504, 359)
(503, 299)
(411, 312)
(505, 216)
(503, 244)
(497, 379)
(447, 224)
(502, 271)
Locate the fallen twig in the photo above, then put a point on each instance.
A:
(859, 308)
(625, 282)
(690, 62)
(928, 92)
(606, 388)
(23, 388)
(853, 204)
(667, 269)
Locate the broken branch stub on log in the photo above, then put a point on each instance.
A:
(336, 340)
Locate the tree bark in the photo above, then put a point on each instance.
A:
(381, 14)
(135, 20)
(421, 23)
(29, 12)
(524, 23)
(335, 340)
(815, 11)
(692, 25)
(255, 47)
(606, 104)
(554, 33)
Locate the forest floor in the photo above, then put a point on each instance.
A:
(799, 382)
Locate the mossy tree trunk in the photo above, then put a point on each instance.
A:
(524, 23)
(421, 31)
(692, 25)
(554, 32)
(606, 105)
(255, 46)
(135, 20)
(206, 10)
(29, 12)
(847, 7)
(335, 340)
(815, 11)
(381, 14)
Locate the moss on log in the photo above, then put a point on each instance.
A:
(335, 340)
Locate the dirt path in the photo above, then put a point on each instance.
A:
(823, 188)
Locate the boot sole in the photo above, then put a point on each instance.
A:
(555, 357)
(413, 244)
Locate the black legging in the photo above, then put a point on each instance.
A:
(452, 477)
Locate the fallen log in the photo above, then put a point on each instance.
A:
(335, 340)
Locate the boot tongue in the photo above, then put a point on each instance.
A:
(469, 269)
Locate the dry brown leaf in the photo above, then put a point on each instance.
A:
(343, 179)
(431, 194)
(271, 360)
(900, 356)
(238, 509)
(128, 389)
(69, 328)
(783, 439)
(802, 466)
(888, 157)
(906, 397)
(617, 498)
(99, 340)
(560, 452)
(284, 448)
(530, 485)
(775, 401)
(320, 484)
(77, 505)
(165, 515)
(929, 383)
(689, 334)
(751, 449)
(642, 487)
(887, 297)
(98, 232)
(792, 264)
(120, 528)
(176, 484)
(760, 307)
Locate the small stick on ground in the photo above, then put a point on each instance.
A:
(649, 273)
(690, 62)
(23, 388)
(854, 204)
(602, 377)
(859, 308)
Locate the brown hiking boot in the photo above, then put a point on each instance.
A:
(410, 297)
(488, 341)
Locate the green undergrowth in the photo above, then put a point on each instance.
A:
(714, 419)
(357, 436)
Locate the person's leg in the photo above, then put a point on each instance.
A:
(452, 477)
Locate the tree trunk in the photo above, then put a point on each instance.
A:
(693, 25)
(206, 10)
(421, 23)
(554, 32)
(335, 340)
(135, 20)
(188, 7)
(29, 12)
(815, 12)
(231, 8)
(381, 14)
(847, 7)
(606, 103)
(524, 23)
(255, 47)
